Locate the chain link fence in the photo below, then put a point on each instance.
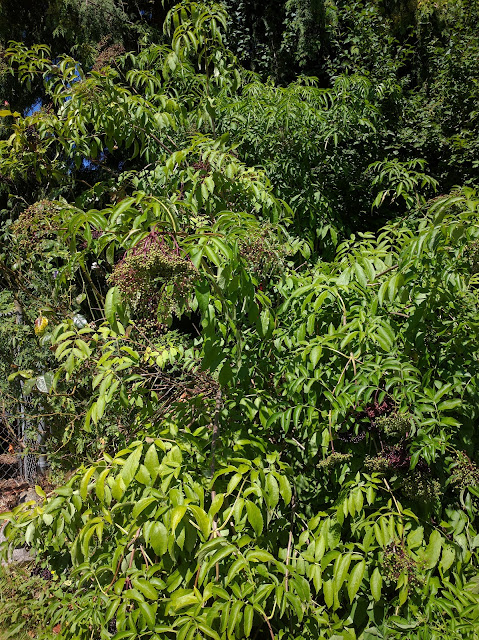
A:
(21, 456)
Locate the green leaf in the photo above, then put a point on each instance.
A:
(146, 588)
(225, 374)
(259, 555)
(151, 462)
(376, 584)
(315, 355)
(203, 295)
(360, 275)
(234, 617)
(130, 467)
(328, 592)
(141, 505)
(272, 491)
(85, 482)
(238, 565)
(148, 611)
(177, 515)
(340, 571)
(202, 519)
(355, 579)
(255, 517)
(448, 405)
(447, 558)
(158, 538)
(265, 324)
(415, 538)
(100, 484)
(112, 300)
(433, 550)
(285, 489)
(301, 586)
(248, 616)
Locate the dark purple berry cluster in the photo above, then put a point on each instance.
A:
(95, 234)
(390, 458)
(43, 573)
(377, 410)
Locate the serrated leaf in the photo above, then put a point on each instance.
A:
(328, 592)
(177, 515)
(141, 505)
(355, 579)
(272, 491)
(433, 550)
(158, 538)
(130, 467)
(255, 517)
(148, 611)
(376, 584)
(248, 616)
(202, 519)
(285, 489)
(146, 588)
(415, 538)
(315, 355)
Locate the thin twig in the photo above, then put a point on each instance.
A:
(290, 541)
(395, 266)
(215, 427)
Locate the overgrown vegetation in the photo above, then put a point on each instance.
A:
(246, 313)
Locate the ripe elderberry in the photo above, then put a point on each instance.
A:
(391, 458)
(45, 574)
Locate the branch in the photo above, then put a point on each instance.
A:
(215, 426)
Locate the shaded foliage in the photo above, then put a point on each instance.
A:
(249, 313)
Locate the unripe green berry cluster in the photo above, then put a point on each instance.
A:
(465, 473)
(154, 278)
(335, 459)
(396, 561)
(396, 425)
(263, 254)
(37, 223)
(421, 487)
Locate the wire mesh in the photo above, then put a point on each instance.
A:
(18, 446)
